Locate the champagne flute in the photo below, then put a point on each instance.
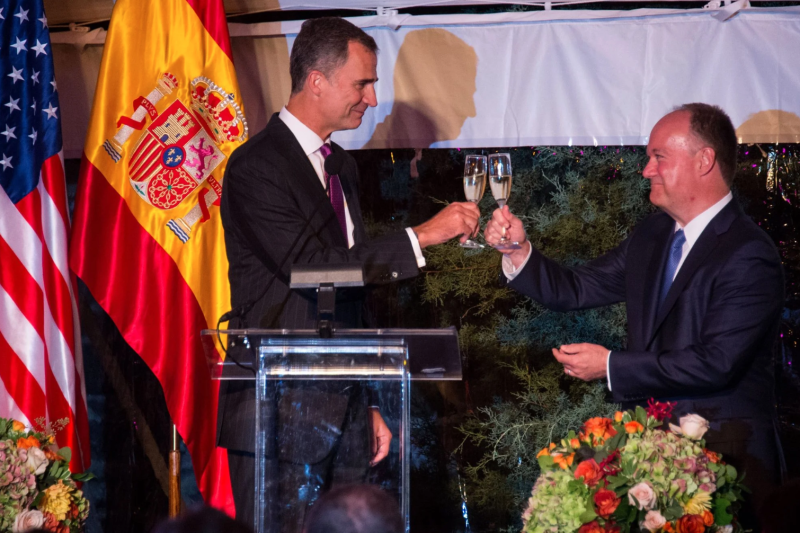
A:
(474, 185)
(500, 183)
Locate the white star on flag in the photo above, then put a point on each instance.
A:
(6, 162)
(33, 136)
(15, 74)
(1, 13)
(34, 76)
(19, 46)
(39, 48)
(22, 15)
(12, 105)
(9, 133)
(51, 111)
(33, 106)
(53, 83)
(43, 20)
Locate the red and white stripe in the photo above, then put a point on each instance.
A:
(41, 369)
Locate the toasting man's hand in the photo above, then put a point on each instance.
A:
(458, 218)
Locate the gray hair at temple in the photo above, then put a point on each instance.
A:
(322, 45)
(354, 509)
(713, 127)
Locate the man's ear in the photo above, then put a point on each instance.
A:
(707, 160)
(315, 82)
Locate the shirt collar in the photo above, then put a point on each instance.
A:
(309, 141)
(693, 229)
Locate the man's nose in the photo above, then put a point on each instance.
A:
(370, 98)
(649, 169)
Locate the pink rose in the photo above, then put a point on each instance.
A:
(642, 496)
(27, 520)
(36, 461)
(692, 427)
(653, 521)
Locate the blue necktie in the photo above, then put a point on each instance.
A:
(675, 252)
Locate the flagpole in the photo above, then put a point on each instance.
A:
(174, 476)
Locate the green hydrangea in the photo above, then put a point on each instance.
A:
(556, 503)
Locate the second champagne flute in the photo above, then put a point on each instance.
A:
(500, 183)
(474, 185)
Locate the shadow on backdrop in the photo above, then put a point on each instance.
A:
(770, 126)
(434, 85)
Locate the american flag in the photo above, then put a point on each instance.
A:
(41, 374)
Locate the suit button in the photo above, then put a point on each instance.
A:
(394, 275)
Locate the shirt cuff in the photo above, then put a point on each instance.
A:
(508, 266)
(415, 246)
(608, 369)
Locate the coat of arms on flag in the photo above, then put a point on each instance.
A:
(179, 150)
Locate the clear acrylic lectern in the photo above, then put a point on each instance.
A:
(314, 397)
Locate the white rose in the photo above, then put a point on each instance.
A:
(692, 427)
(653, 521)
(27, 520)
(642, 496)
(725, 529)
(36, 462)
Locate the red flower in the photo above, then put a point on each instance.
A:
(589, 471)
(591, 527)
(606, 465)
(606, 502)
(660, 410)
(691, 523)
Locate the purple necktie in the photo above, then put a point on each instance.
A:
(335, 192)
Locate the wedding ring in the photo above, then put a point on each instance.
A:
(569, 372)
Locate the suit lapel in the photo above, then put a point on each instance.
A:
(307, 180)
(705, 244)
(650, 283)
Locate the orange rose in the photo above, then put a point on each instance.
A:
(691, 523)
(634, 427)
(546, 450)
(16, 425)
(564, 461)
(599, 428)
(50, 521)
(712, 456)
(668, 527)
(590, 471)
(591, 527)
(618, 416)
(708, 518)
(575, 443)
(605, 502)
(30, 442)
(52, 456)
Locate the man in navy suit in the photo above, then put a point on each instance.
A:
(703, 286)
(276, 191)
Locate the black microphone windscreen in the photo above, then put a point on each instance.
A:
(334, 162)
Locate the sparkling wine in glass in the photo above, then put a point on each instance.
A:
(474, 185)
(500, 183)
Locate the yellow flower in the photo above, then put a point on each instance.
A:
(698, 503)
(56, 500)
(17, 425)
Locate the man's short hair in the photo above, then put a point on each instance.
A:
(354, 509)
(322, 45)
(712, 126)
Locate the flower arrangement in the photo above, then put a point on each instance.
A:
(37, 490)
(628, 474)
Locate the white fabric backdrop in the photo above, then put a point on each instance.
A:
(525, 79)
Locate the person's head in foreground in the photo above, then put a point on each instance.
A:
(354, 509)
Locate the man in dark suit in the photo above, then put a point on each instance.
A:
(703, 286)
(275, 186)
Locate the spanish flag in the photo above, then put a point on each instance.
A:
(147, 237)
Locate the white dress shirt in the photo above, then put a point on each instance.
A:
(691, 231)
(311, 143)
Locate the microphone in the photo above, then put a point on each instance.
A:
(333, 165)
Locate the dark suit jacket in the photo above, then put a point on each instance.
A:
(709, 346)
(269, 192)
